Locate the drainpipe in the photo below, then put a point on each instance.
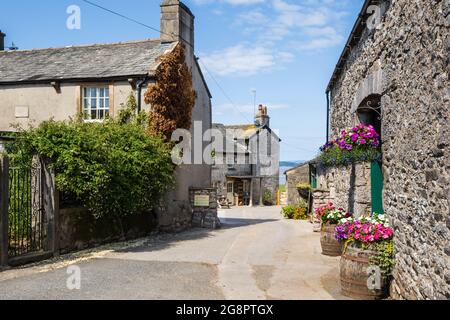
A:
(139, 85)
(328, 114)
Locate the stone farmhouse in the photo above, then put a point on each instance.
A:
(59, 83)
(394, 74)
(238, 171)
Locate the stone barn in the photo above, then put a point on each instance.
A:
(301, 174)
(394, 74)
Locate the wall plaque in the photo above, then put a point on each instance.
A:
(201, 200)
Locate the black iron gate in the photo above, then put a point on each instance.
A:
(28, 213)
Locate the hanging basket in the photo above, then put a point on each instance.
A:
(304, 193)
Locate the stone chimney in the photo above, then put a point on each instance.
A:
(2, 40)
(177, 24)
(262, 118)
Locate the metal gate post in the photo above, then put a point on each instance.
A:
(4, 205)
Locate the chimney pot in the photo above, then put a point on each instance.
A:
(262, 117)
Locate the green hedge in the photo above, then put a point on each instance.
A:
(111, 168)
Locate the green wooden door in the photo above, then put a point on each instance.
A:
(313, 177)
(377, 187)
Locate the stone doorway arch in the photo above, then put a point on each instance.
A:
(369, 112)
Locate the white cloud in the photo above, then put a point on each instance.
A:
(276, 31)
(256, 17)
(245, 60)
(243, 2)
(239, 60)
(320, 38)
(319, 43)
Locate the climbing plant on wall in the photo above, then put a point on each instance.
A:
(172, 97)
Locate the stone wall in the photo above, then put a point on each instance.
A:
(411, 48)
(78, 230)
(205, 216)
(293, 178)
(320, 197)
(270, 184)
(348, 187)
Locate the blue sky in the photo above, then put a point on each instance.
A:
(286, 50)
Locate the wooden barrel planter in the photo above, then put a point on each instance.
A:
(330, 246)
(355, 274)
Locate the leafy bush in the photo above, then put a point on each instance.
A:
(289, 211)
(127, 113)
(267, 198)
(297, 212)
(111, 168)
(301, 213)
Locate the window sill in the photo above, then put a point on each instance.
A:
(94, 121)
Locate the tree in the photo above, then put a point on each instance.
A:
(172, 97)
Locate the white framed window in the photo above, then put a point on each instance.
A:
(95, 103)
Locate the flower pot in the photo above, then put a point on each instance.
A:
(354, 273)
(330, 246)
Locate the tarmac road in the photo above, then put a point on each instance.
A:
(255, 255)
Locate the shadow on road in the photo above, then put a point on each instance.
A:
(242, 222)
(166, 240)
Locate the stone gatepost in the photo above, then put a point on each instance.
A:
(204, 207)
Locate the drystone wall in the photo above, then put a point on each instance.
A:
(347, 187)
(410, 49)
(204, 215)
(293, 178)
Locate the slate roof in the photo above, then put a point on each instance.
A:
(123, 59)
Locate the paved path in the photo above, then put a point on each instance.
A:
(256, 255)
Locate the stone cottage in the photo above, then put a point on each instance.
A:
(239, 172)
(304, 173)
(59, 83)
(394, 74)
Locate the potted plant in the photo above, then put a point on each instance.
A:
(330, 217)
(367, 261)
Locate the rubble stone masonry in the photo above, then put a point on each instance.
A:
(407, 58)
